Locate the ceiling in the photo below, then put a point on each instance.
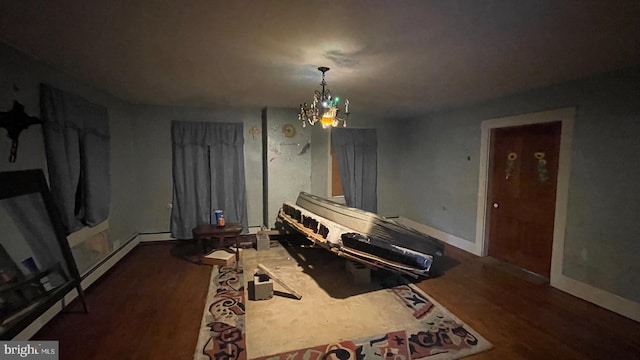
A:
(400, 57)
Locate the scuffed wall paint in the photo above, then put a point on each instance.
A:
(289, 150)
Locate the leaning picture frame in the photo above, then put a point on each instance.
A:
(37, 268)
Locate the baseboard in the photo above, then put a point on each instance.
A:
(86, 281)
(151, 237)
(449, 239)
(602, 298)
(166, 236)
(254, 229)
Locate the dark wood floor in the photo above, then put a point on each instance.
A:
(149, 306)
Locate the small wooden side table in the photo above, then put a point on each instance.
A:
(207, 231)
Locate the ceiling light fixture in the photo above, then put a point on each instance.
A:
(324, 107)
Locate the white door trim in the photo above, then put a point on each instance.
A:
(566, 116)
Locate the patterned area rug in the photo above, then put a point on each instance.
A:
(436, 334)
(222, 329)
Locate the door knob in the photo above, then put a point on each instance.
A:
(495, 205)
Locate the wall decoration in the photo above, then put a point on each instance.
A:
(16, 120)
(289, 130)
(543, 174)
(511, 163)
(254, 131)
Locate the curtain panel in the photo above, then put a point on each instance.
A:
(208, 174)
(356, 151)
(77, 144)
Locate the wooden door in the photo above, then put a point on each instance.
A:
(522, 194)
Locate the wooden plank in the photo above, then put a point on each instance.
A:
(279, 281)
(315, 238)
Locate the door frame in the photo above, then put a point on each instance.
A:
(567, 117)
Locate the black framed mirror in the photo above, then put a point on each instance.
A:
(37, 268)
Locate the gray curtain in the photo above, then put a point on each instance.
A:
(208, 174)
(76, 136)
(356, 151)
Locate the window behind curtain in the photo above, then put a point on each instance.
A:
(336, 181)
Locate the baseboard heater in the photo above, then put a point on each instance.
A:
(107, 263)
(87, 279)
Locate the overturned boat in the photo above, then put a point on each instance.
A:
(361, 235)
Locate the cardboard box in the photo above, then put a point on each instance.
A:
(219, 258)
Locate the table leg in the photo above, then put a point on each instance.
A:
(237, 252)
(199, 249)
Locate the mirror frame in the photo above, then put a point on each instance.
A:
(25, 182)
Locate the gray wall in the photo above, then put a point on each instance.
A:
(439, 173)
(21, 77)
(391, 135)
(320, 138)
(152, 148)
(288, 166)
(439, 168)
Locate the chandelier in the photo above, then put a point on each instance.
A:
(324, 107)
